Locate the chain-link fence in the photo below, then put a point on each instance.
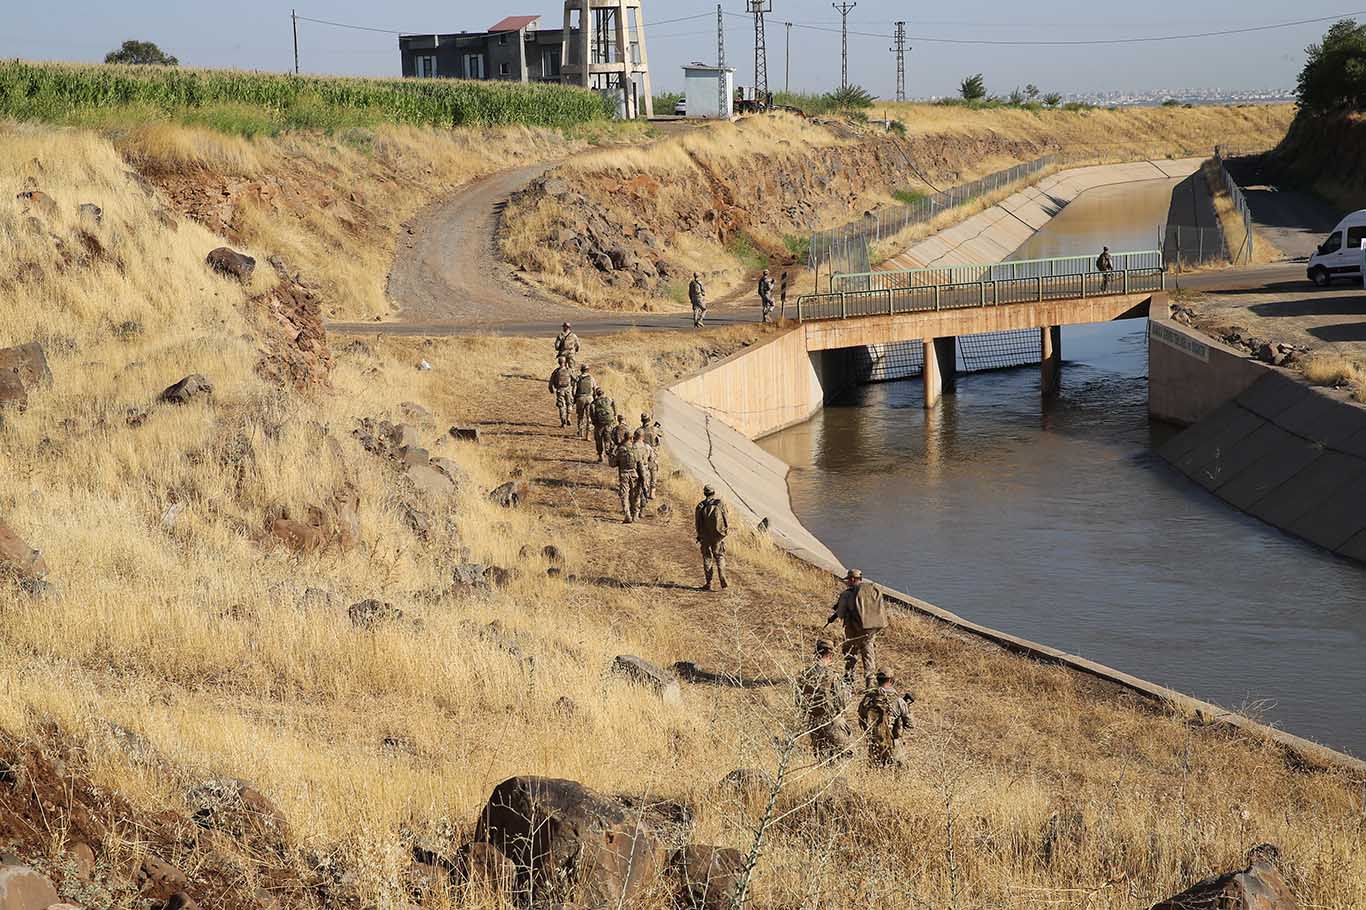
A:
(1235, 192)
(975, 354)
(847, 248)
(1186, 247)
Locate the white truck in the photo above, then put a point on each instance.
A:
(1340, 255)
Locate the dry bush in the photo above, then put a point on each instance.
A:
(1335, 371)
(1231, 223)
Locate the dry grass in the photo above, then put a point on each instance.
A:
(733, 164)
(1336, 371)
(1232, 224)
(331, 206)
(203, 641)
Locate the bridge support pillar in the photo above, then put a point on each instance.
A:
(1050, 359)
(941, 366)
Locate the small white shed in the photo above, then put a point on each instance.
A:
(705, 87)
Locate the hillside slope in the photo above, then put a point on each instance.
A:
(1326, 155)
(626, 228)
(260, 586)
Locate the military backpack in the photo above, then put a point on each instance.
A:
(584, 388)
(879, 716)
(603, 412)
(713, 523)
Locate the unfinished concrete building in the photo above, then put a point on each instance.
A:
(604, 49)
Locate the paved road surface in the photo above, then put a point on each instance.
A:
(1295, 221)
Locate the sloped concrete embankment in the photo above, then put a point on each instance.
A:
(996, 232)
(775, 384)
(1261, 438)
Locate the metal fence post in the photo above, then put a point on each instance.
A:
(936, 296)
(1126, 281)
(844, 310)
(1039, 281)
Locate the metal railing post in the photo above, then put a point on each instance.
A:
(890, 303)
(799, 309)
(936, 297)
(844, 309)
(1126, 281)
(1039, 281)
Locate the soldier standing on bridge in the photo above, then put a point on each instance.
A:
(766, 295)
(697, 295)
(1105, 266)
(860, 607)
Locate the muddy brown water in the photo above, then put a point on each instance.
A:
(1056, 520)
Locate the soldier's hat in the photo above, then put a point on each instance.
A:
(824, 646)
(584, 368)
(565, 326)
(709, 490)
(854, 575)
(885, 676)
(644, 418)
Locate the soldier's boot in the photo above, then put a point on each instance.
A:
(721, 573)
(707, 586)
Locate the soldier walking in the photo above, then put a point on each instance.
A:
(562, 386)
(630, 480)
(864, 614)
(822, 697)
(1105, 265)
(584, 386)
(712, 524)
(697, 295)
(620, 434)
(766, 295)
(567, 343)
(653, 437)
(884, 717)
(603, 414)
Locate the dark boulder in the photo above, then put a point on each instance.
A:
(1258, 887)
(571, 844)
(232, 264)
(641, 671)
(187, 389)
(22, 368)
(370, 614)
(510, 494)
(24, 888)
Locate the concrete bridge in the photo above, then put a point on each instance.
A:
(784, 381)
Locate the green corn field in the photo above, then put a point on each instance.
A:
(253, 102)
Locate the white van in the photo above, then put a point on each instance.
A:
(1339, 256)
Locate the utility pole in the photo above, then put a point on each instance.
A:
(294, 17)
(758, 8)
(722, 95)
(844, 9)
(899, 47)
(787, 67)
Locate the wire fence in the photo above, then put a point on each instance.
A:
(848, 248)
(1240, 205)
(975, 354)
(1186, 247)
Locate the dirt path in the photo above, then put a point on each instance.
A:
(1294, 220)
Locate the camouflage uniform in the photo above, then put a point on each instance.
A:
(766, 295)
(630, 481)
(645, 456)
(562, 384)
(567, 343)
(697, 296)
(884, 717)
(603, 413)
(583, 401)
(712, 525)
(653, 437)
(858, 644)
(620, 433)
(822, 697)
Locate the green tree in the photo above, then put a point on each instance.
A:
(851, 97)
(973, 88)
(1052, 99)
(1031, 91)
(1171, 102)
(1334, 74)
(665, 102)
(1017, 98)
(140, 52)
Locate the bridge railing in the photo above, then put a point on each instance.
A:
(975, 294)
(998, 271)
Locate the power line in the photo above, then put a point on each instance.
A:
(844, 9)
(1097, 42)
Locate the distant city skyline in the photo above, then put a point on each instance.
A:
(257, 36)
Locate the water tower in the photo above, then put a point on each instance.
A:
(604, 50)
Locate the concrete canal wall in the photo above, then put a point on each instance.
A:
(1261, 438)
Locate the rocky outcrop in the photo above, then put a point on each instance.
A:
(571, 844)
(644, 673)
(24, 888)
(296, 352)
(1258, 887)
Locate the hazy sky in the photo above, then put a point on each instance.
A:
(255, 34)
